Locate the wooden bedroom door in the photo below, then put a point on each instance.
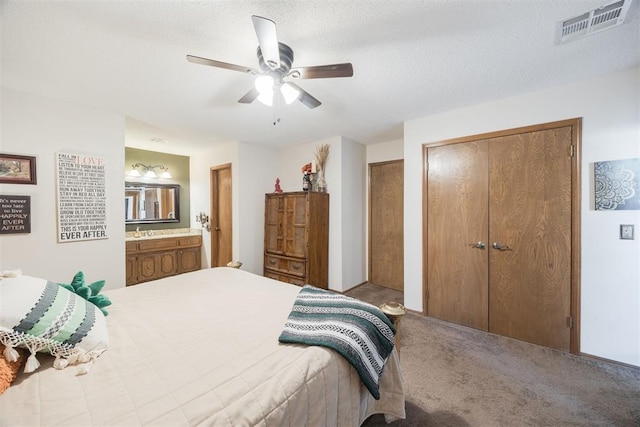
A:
(221, 216)
(386, 224)
(500, 221)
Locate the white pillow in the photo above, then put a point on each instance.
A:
(43, 316)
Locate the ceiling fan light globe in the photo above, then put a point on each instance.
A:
(289, 93)
(266, 98)
(264, 84)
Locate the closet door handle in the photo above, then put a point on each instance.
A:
(499, 246)
(478, 245)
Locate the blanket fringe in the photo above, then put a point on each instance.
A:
(32, 363)
(64, 354)
(10, 354)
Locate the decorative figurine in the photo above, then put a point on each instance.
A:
(306, 177)
(278, 189)
(306, 182)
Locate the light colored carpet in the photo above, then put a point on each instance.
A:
(458, 376)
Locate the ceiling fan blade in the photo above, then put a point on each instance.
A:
(250, 96)
(322, 71)
(305, 97)
(220, 64)
(268, 40)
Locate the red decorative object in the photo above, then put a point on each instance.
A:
(306, 168)
(278, 189)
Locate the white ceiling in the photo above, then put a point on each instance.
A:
(410, 58)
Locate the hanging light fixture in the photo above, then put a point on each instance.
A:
(264, 84)
(268, 89)
(289, 93)
(149, 171)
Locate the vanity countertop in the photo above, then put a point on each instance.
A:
(162, 234)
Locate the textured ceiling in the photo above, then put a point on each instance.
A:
(410, 59)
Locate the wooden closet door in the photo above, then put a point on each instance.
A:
(457, 203)
(386, 224)
(530, 211)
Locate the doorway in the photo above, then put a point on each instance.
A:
(501, 222)
(386, 224)
(221, 216)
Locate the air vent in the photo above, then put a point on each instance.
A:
(594, 21)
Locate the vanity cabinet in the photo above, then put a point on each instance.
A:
(296, 238)
(151, 259)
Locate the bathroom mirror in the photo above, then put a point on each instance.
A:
(147, 203)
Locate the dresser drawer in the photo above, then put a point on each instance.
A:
(293, 266)
(151, 244)
(294, 280)
(190, 241)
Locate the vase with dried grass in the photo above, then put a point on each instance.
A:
(322, 154)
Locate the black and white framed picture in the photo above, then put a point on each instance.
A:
(617, 184)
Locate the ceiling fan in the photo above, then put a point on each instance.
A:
(275, 60)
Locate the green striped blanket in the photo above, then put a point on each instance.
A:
(359, 331)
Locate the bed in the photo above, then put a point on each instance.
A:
(202, 349)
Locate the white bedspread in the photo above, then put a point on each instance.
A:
(202, 348)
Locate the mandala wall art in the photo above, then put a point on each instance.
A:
(617, 184)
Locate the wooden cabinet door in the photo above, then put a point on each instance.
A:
(530, 205)
(274, 217)
(295, 225)
(188, 260)
(457, 198)
(157, 265)
(131, 270)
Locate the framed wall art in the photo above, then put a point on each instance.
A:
(15, 214)
(617, 184)
(82, 200)
(15, 169)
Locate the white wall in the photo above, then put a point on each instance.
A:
(353, 215)
(610, 268)
(385, 151)
(38, 126)
(291, 160)
(200, 166)
(257, 176)
(252, 175)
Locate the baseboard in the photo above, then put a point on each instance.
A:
(611, 361)
(352, 288)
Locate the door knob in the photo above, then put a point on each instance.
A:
(478, 245)
(501, 247)
(217, 228)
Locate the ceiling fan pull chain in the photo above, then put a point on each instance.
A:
(277, 103)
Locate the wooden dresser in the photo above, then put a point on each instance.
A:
(296, 238)
(150, 259)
